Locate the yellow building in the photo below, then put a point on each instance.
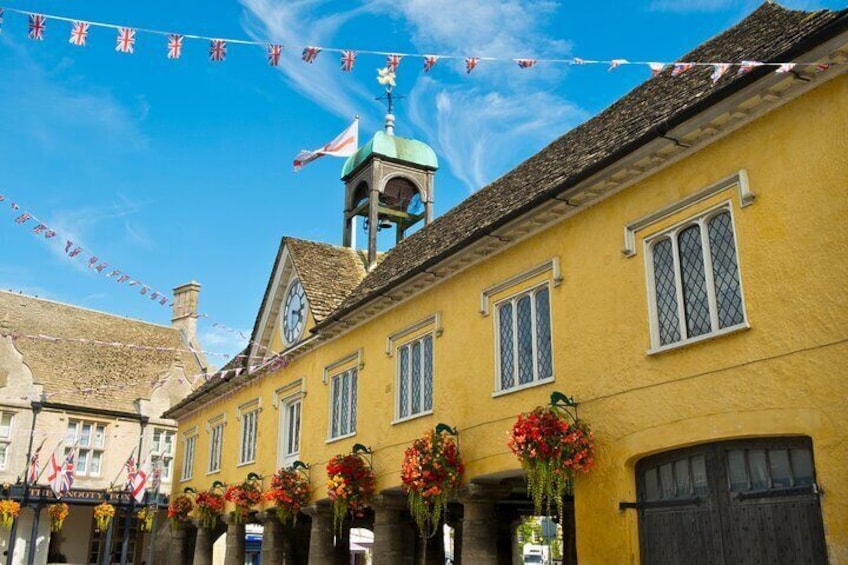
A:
(676, 265)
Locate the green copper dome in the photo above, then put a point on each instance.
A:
(392, 147)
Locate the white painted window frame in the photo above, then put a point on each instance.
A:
(513, 298)
(701, 219)
(189, 449)
(6, 441)
(285, 458)
(248, 416)
(91, 449)
(166, 457)
(215, 457)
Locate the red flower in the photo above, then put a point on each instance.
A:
(350, 485)
(289, 492)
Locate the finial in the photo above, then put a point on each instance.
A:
(386, 77)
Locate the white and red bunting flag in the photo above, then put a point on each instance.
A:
(821, 67)
(471, 64)
(22, 219)
(430, 62)
(79, 33)
(175, 46)
(615, 63)
(274, 52)
(680, 68)
(37, 26)
(785, 68)
(526, 63)
(719, 70)
(125, 43)
(217, 50)
(310, 54)
(393, 62)
(748, 66)
(344, 145)
(348, 59)
(656, 68)
(139, 482)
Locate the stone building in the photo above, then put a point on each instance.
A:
(676, 265)
(70, 376)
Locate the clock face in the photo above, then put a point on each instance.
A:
(294, 313)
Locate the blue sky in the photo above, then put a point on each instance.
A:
(180, 170)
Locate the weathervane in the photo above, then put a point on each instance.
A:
(386, 77)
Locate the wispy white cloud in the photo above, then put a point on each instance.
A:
(218, 340)
(479, 124)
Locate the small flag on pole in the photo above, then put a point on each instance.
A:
(344, 145)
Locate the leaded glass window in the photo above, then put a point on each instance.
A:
(343, 417)
(697, 290)
(415, 377)
(524, 339)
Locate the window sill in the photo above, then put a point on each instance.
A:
(213, 472)
(187, 479)
(706, 337)
(413, 417)
(525, 386)
(338, 438)
(244, 463)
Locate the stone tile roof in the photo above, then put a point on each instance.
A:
(328, 273)
(118, 375)
(771, 33)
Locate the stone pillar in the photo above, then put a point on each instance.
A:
(272, 538)
(177, 548)
(389, 547)
(480, 522)
(321, 549)
(202, 547)
(431, 550)
(235, 541)
(341, 553)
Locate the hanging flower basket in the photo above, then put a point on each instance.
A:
(431, 472)
(103, 514)
(243, 496)
(289, 493)
(179, 510)
(57, 512)
(350, 485)
(145, 518)
(9, 512)
(552, 446)
(209, 506)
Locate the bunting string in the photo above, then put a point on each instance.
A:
(159, 348)
(78, 31)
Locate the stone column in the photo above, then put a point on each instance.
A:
(431, 550)
(203, 546)
(177, 547)
(480, 522)
(235, 541)
(321, 548)
(272, 537)
(389, 547)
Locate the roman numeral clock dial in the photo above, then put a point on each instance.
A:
(294, 313)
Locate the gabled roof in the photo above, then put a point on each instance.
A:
(113, 377)
(771, 33)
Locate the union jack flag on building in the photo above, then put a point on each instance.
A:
(126, 40)
(429, 62)
(274, 52)
(348, 59)
(526, 63)
(32, 474)
(61, 477)
(217, 50)
(393, 62)
(79, 33)
(310, 54)
(37, 25)
(471, 63)
(175, 46)
(680, 68)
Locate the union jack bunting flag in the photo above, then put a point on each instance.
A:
(274, 52)
(79, 33)
(126, 40)
(680, 68)
(785, 68)
(49, 234)
(526, 63)
(39, 228)
(32, 475)
(144, 289)
(393, 62)
(37, 25)
(154, 296)
(114, 273)
(163, 300)
(175, 46)
(2, 198)
(615, 63)
(310, 54)
(22, 219)
(1, 19)
(471, 63)
(99, 268)
(429, 62)
(577, 61)
(15, 206)
(656, 68)
(821, 67)
(747, 66)
(75, 251)
(217, 50)
(92, 261)
(719, 69)
(348, 59)
(68, 244)
(123, 278)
